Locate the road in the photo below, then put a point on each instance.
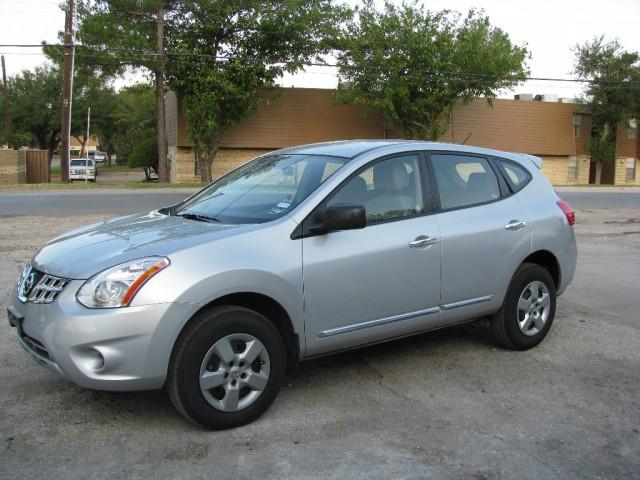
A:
(597, 198)
(63, 203)
(17, 202)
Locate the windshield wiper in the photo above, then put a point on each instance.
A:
(198, 217)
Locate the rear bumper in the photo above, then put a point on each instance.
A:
(103, 349)
(568, 260)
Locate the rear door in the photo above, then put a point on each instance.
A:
(485, 233)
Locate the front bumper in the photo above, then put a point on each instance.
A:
(76, 176)
(116, 349)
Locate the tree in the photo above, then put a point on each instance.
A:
(133, 119)
(416, 65)
(222, 53)
(121, 34)
(35, 107)
(607, 65)
(92, 93)
(145, 154)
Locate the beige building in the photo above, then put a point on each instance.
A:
(557, 132)
(625, 170)
(75, 145)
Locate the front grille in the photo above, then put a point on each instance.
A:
(47, 289)
(38, 287)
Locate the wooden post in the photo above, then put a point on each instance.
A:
(5, 96)
(67, 93)
(163, 170)
(87, 138)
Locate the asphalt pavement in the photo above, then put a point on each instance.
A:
(121, 201)
(442, 405)
(64, 203)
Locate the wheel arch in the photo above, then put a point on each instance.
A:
(549, 262)
(266, 306)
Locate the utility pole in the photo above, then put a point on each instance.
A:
(163, 170)
(67, 93)
(5, 95)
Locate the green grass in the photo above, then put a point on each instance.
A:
(57, 185)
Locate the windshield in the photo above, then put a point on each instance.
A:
(78, 163)
(262, 190)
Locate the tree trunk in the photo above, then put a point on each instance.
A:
(82, 143)
(163, 170)
(205, 162)
(53, 143)
(598, 173)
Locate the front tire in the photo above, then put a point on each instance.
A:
(226, 368)
(528, 310)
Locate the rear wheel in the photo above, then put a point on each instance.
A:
(528, 310)
(226, 368)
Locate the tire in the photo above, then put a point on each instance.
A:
(223, 336)
(528, 310)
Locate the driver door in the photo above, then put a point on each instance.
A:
(383, 281)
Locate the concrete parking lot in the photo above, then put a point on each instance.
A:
(447, 404)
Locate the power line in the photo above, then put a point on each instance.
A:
(435, 75)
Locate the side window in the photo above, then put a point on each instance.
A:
(330, 168)
(388, 190)
(517, 176)
(464, 180)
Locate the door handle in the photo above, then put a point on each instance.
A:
(515, 225)
(423, 241)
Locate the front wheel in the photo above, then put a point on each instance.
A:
(528, 310)
(227, 367)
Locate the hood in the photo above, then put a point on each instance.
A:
(81, 253)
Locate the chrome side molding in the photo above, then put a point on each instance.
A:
(403, 316)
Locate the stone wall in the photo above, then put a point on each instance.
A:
(183, 166)
(556, 169)
(13, 166)
(621, 172)
(228, 159)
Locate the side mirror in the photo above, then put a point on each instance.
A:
(345, 216)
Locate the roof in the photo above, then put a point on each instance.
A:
(344, 149)
(352, 148)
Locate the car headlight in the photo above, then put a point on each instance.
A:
(116, 286)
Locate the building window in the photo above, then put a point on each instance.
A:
(632, 129)
(572, 173)
(577, 122)
(631, 169)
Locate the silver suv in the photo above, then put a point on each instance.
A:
(299, 253)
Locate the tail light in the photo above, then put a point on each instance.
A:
(568, 211)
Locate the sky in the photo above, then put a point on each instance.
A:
(550, 29)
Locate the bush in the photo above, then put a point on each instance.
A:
(145, 154)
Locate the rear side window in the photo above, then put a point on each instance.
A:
(464, 180)
(517, 177)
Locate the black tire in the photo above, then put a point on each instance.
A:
(504, 323)
(207, 327)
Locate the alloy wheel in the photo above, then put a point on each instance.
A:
(534, 305)
(234, 372)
